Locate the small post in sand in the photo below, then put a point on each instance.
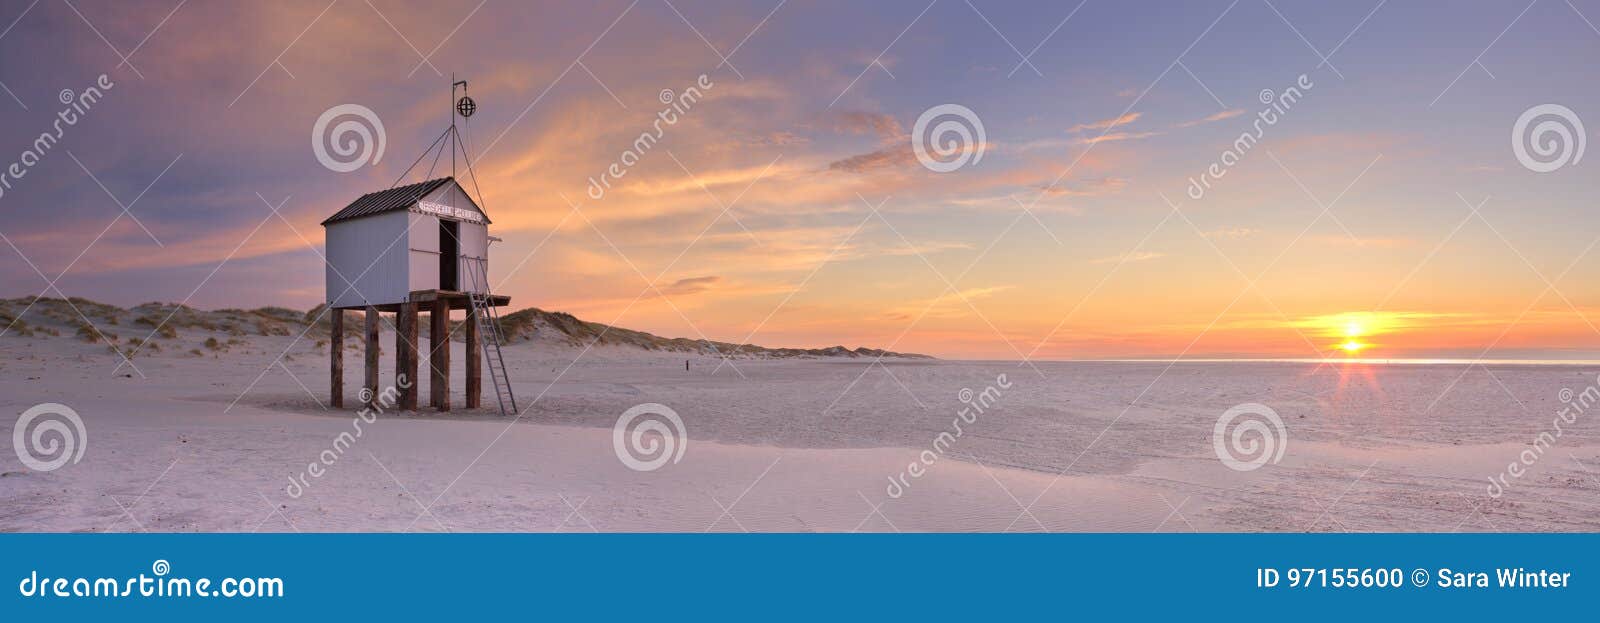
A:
(405, 356)
(336, 363)
(474, 362)
(439, 354)
(371, 381)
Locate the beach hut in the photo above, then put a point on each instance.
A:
(418, 247)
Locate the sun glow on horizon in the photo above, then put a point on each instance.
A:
(1352, 327)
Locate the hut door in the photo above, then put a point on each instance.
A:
(449, 255)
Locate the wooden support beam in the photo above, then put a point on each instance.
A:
(439, 354)
(336, 359)
(474, 361)
(370, 383)
(405, 357)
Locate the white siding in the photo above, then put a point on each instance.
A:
(424, 252)
(370, 253)
(474, 252)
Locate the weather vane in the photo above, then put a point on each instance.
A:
(464, 106)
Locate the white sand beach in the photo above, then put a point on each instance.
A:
(208, 440)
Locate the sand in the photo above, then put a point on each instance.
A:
(210, 442)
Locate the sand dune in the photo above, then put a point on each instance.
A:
(153, 327)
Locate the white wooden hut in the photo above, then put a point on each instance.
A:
(421, 246)
(420, 237)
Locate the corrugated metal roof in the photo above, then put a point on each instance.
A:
(397, 198)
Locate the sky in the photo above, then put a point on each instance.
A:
(1384, 211)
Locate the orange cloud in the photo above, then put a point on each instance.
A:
(1141, 256)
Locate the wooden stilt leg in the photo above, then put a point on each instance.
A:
(439, 354)
(474, 361)
(336, 359)
(405, 346)
(370, 383)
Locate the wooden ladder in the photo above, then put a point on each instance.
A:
(489, 334)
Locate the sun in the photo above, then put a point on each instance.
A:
(1354, 326)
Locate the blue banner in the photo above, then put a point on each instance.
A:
(790, 576)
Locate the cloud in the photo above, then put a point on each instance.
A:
(1230, 233)
(886, 158)
(857, 122)
(949, 305)
(706, 179)
(1106, 124)
(1357, 241)
(1219, 116)
(690, 285)
(894, 151)
(929, 247)
(1116, 136)
(782, 139)
(1129, 257)
(1345, 324)
(1085, 188)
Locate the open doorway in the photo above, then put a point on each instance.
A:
(449, 255)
